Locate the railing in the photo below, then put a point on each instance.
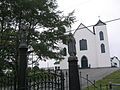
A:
(52, 80)
(87, 84)
(46, 80)
(113, 85)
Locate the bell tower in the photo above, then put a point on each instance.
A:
(102, 45)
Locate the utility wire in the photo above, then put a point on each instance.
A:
(112, 20)
(91, 25)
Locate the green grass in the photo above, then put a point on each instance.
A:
(104, 83)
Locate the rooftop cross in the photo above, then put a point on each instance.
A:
(99, 17)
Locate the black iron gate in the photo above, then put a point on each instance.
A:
(44, 80)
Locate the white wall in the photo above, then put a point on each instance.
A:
(103, 58)
(90, 53)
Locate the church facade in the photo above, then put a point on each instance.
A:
(91, 46)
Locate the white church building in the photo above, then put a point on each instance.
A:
(91, 46)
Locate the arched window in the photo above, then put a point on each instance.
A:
(84, 62)
(63, 52)
(101, 35)
(102, 48)
(83, 44)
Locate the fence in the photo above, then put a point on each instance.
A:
(7, 83)
(52, 80)
(85, 83)
(113, 86)
(45, 80)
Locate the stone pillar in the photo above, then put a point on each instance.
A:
(74, 82)
(22, 66)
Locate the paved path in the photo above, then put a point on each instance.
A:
(93, 74)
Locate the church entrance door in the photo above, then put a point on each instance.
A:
(84, 62)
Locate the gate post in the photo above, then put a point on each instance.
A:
(74, 82)
(110, 85)
(22, 65)
(62, 80)
(22, 61)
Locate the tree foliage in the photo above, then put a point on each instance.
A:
(44, 24)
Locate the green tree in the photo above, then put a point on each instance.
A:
(45, 26)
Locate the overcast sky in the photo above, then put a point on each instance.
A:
(88, 12)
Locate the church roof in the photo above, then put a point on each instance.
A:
(112, 58)
(99, 23)
(82, 26)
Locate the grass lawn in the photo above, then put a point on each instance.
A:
(104, 83)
